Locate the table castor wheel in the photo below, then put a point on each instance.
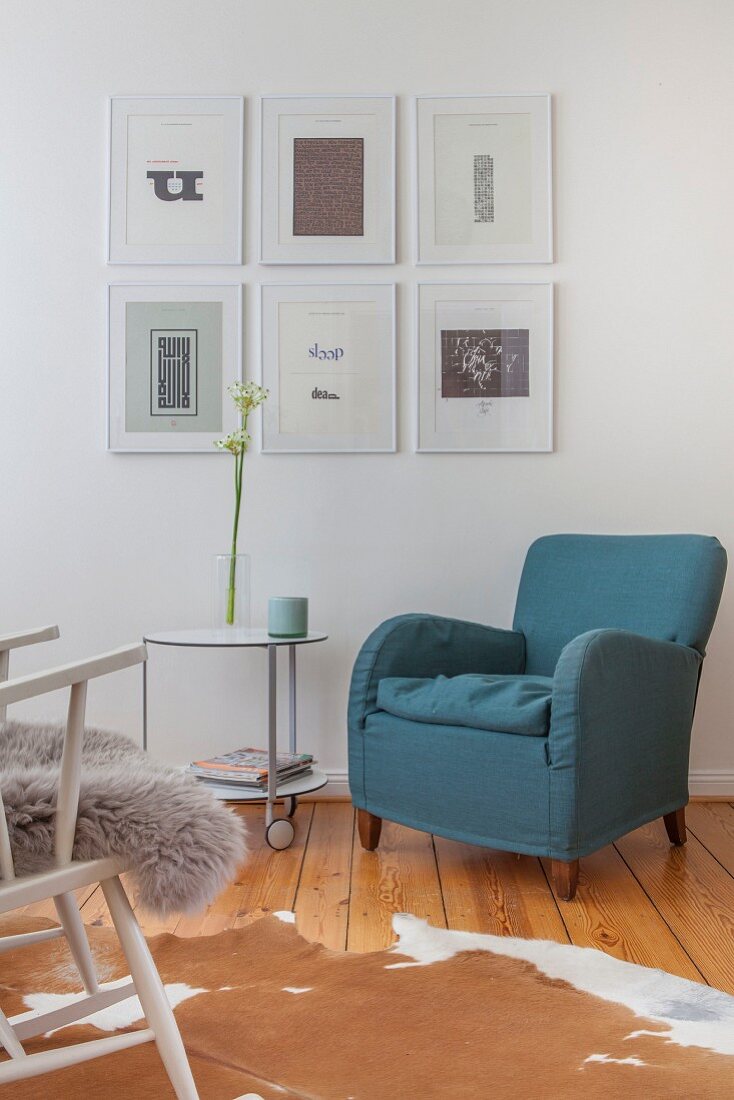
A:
(280, 833)
(290, 803)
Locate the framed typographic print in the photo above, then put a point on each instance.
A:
(485, 367)
(175, 180)
(484, 179)
(328, 360)
(327, 179)
(173, 352)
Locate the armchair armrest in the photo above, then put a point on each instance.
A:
(429, 645)
(621, 717)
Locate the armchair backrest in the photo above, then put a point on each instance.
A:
(662, 586)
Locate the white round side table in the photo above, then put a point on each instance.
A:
(279, 831)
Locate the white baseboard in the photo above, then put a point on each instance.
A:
(703, 784)
(337, 787)
(711, 784)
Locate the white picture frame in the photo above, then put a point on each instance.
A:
(348, 141)
(170, 332)
(175, 178)
(484, 367)
(328, 359)
(484, 179)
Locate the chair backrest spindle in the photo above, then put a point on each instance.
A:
(67, 804)
(6, 856)
(4, 667)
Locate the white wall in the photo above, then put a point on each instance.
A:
(113, 545)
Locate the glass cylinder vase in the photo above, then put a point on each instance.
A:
(231, 592)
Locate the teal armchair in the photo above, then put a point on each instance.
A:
(558, 736)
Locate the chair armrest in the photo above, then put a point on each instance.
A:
(39, 683)
(28, 637)
(621, 716)
(429, 645)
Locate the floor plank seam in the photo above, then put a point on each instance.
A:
(440, 881)
(351, 876)
(667, 924)
(707, 849)
(303, 858)
(554, 899)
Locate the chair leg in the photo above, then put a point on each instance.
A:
(150, 990)
(675, 824)
(565, 878)
(71, 921)
(370, 828)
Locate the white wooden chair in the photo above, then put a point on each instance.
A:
(69, 875)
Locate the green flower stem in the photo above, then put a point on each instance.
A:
(238, 464)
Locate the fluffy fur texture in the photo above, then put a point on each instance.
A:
(180, 844)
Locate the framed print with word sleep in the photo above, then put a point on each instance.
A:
(328, 360)
(175, 180)
(484, 179)
(327, 180)
(485, 367)
(173, 352)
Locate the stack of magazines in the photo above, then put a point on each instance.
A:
(248, 768)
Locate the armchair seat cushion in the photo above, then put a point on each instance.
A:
(502, 704)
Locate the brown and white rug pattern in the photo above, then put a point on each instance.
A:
(266, 1014)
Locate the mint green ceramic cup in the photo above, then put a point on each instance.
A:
(288, 616)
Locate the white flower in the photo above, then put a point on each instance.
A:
(247, 395)
(235, 442)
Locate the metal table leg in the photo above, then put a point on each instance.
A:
(145, 706)
(292, 694)
(279, 831)
(292, 802)
(272, 730)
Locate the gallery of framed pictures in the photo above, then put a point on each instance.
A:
(327, 179)
(175, 180)
(328, 360)
(484, 179)
(173, 350)
(485, 367)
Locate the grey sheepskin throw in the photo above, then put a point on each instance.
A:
(180, 845)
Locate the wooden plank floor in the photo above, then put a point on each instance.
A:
(639, 899)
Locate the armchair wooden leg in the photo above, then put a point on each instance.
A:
(675, 824)
(565, 878)
(369, 829)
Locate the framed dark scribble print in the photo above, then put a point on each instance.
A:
(327, 179)
(175, 180)
(173, 351)
(485, 367)
(484, 179)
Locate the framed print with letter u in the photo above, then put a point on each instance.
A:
(173, 352)
(485, 367)
(328, 180)
(175, 180)
(484, 179)
(328, 360)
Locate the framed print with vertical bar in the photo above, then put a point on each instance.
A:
(484, 179)
(485, 366)
(327, 179)
(174, 350)
(175, 180)
(328, 360)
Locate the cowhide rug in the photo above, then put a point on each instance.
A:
(265, 1014)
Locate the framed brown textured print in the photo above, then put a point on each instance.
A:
(327, 179)
(485, 367)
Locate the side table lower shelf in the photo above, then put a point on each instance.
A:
(279, 832)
